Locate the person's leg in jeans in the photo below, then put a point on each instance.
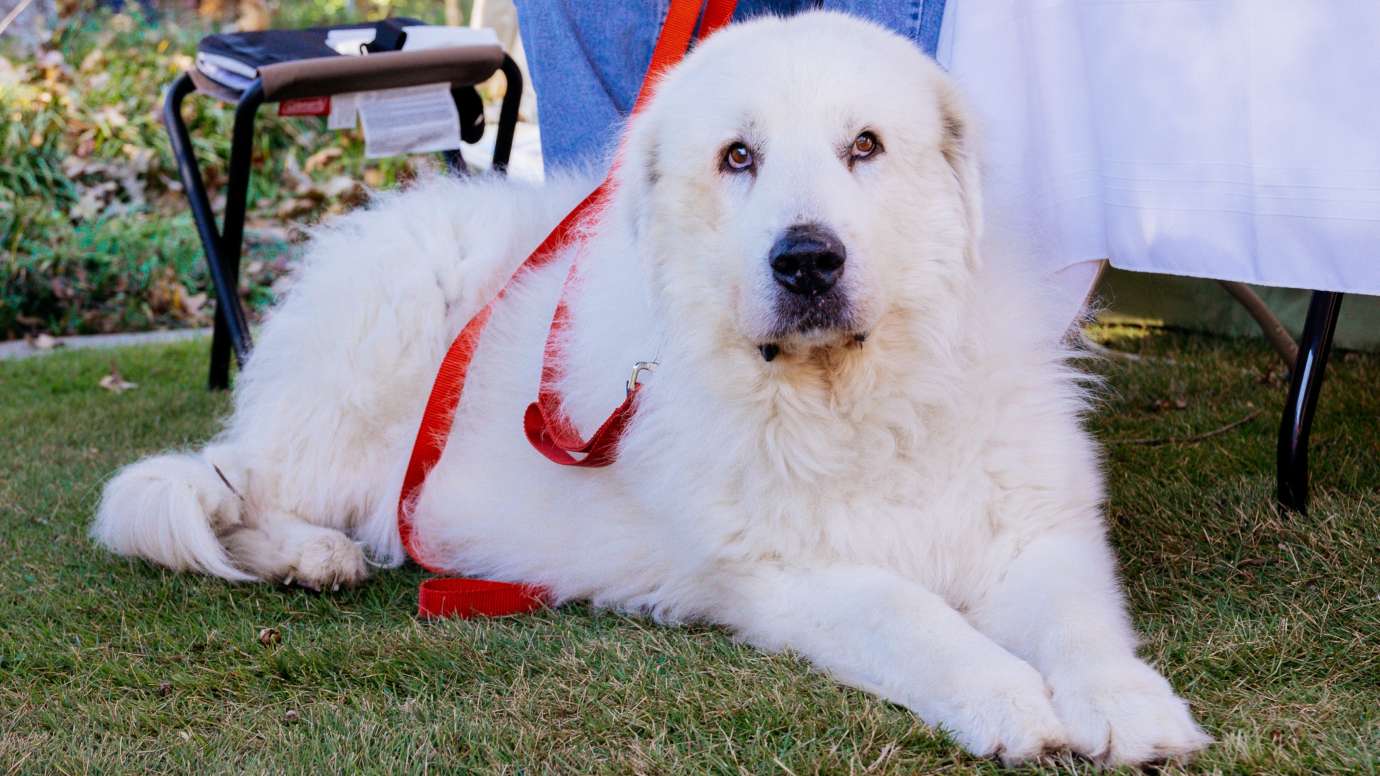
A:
(916, 19)
(587, 59)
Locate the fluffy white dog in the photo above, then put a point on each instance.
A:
(863, 443)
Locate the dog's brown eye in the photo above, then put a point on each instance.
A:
(864, 145)
(738, 158)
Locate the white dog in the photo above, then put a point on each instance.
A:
(863, 443)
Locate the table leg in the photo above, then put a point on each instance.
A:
(1304, 386)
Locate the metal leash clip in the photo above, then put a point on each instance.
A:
(638, 368)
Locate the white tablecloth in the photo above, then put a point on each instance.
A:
(1230, 139)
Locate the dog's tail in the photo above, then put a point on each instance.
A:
(169, 509)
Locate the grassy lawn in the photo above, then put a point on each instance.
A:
(1271, 627)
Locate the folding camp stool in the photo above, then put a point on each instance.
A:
(323, 76)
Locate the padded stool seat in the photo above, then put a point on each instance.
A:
(287, 74)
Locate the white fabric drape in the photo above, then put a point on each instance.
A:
(1230, 139)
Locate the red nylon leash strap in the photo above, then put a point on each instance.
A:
(548, 429)
(546, 426)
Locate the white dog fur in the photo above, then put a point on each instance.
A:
(919, 514)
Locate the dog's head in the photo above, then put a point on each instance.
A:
(796, 183)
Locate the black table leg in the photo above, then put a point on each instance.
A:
(1304, 386)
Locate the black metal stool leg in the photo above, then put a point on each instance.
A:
(455, 162)
(221, 261)
(1304, 386)
(507, 114)
(219, 378)
(232, 224)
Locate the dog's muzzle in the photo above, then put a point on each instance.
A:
(807, 263)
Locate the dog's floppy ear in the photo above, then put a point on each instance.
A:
(958, 146)
(638, 169)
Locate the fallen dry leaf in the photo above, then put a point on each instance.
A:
(192, 304)
(292, 170)
(51, 59)
(115, 382)
(93, 61)
(167, 294)
(46, 342)
(269, 636)
(254, 15)
(265, 231)
(295, 207)
(322, 158)
(341, 185)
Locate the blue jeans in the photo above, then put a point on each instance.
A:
(587, 58)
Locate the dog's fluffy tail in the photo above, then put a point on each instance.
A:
(169, 509)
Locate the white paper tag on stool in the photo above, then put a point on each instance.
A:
(417, 119)
(343, 111)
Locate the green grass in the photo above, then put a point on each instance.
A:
(1270, 626)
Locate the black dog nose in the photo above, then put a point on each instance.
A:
(807, 259)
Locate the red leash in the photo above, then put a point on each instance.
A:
(546, 426)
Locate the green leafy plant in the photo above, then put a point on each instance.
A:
(95, 234)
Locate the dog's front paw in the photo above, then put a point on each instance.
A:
(328, 562)
(1124, 713)
(1004, 713)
